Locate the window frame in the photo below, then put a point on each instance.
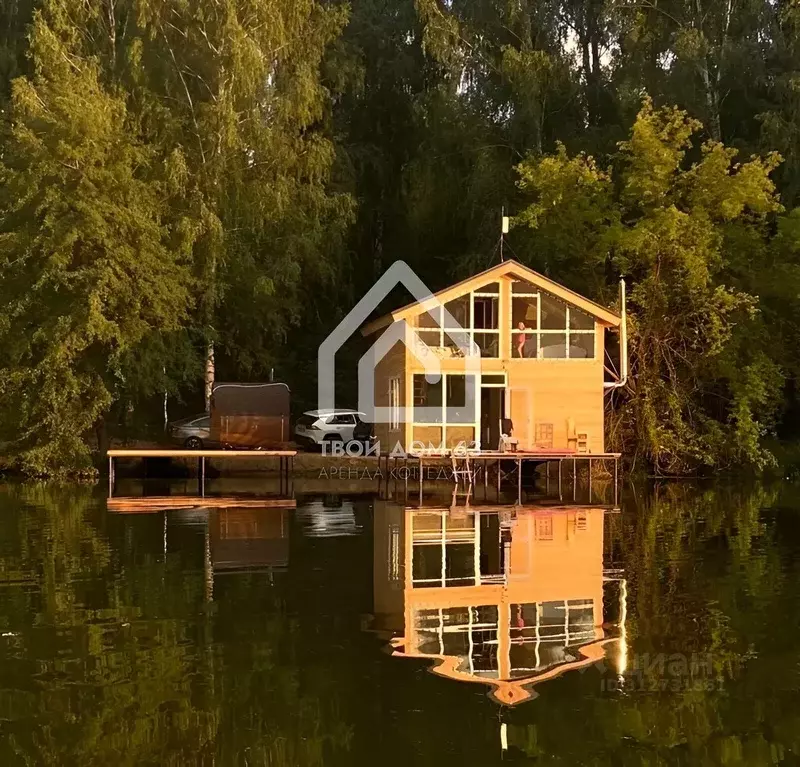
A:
(438, 317)
(394, 403)
(444, 424)
(539, 332)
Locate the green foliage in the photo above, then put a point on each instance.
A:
(702, 391)
(88, 273)
(244, 132)
(117, 649)
(165, 185)
(234, 95)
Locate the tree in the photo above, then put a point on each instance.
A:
(501, 85)
(15, 15)
(685, 225)
(234, 90)
(89, 271)
(180, 204)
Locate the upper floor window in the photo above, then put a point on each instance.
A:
(544, 327)
(467, 322)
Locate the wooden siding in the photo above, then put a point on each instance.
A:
(558, 393)
(562, 397)
(393, 365)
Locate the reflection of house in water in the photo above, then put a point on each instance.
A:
(246, 540)
(508, 597)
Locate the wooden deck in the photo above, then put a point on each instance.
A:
(466, 466)
(529, 455)
(167, 453)
(493, 455)
(154, 503)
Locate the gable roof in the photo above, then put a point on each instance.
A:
(508, 268)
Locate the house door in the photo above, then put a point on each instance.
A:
(493, 410)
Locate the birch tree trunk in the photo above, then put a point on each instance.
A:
(210, 372)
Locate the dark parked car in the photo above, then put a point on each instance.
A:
(364, 432)
(193, 432)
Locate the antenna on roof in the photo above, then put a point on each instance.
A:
(503, 230)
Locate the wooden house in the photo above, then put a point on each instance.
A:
(507, 597)
(511, 344)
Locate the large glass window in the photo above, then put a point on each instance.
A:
(553, 345)
(458, 309)
(488, 343)
(581, 345)
(459, 409)
(544, 327)
(451, 402)
(525, 310)
(554, 313)
(428, 395)
(486, 320)
(431, 319)
(486, 313)
(579, 320)
(469, 323)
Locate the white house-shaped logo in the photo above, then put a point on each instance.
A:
(399, 273)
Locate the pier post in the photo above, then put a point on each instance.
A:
(519, 481)
(560, 494)
(574, 480)
(110, 476)
(201, 476)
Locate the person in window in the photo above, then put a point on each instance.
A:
(521, 338)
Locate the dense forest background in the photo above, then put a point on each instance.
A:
(197, 184)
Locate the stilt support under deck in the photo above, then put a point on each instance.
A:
(285, 462)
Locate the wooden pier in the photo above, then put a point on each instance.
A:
(468, 467)
(285, 461)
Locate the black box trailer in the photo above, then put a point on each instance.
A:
(250, 415)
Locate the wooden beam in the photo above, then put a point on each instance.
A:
(166, 453)
(507, 268)
(174, 502)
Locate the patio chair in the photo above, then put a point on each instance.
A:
(508, 442)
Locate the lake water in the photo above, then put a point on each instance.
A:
(356, 631)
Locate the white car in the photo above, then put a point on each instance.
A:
(317, 427)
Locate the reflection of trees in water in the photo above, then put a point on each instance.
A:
(708, 572)
(115, 657)
(111, 655)
(110, 681)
